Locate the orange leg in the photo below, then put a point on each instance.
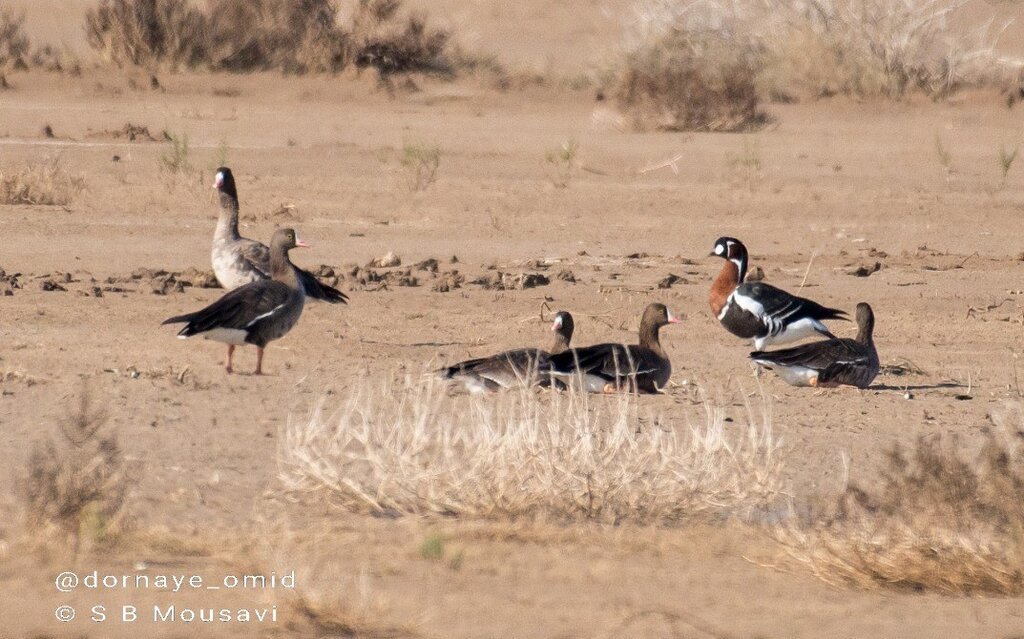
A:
(259, 361)
(227, 364)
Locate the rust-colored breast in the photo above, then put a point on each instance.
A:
(723, 286)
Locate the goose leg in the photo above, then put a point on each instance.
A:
(227, 362)
(259, 361)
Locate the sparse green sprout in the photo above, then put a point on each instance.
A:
(1006, 159)
(175, 160)
(420, 162)
(432, 548)
(561, 163)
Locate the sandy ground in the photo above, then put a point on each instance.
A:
(828, 188)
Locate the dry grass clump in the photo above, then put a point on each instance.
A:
(704, 65)
(14, 44)
(148, 33)
(878, 48)
(292, 36)
(75, 490)
(689, 67)
(939, 522)
(410, 449)
(43, 182)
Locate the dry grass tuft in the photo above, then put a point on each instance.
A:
(689, 66)
(407, 448)
(292, 36)
(148, 33)
(44, 182)
(14, 44)
(938, 522)
(76, 490)
(704, 65)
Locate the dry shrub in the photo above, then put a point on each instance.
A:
(689, 67)
(702, 65)
(75, 490)
(878, 48)
(148, 33)
(56, 60)
(14, 44)
(44, 182)
(410, 449)
(300, 36)
(292, 36)
(938, 522)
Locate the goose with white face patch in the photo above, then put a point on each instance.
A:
(237, 260)
(759, 311)
(255, 313)
(831, 362)
(527, 366)
(609, 368)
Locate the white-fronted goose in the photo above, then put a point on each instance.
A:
(520, 366)
(237, 261)
(759, 311)
(256, 313)
(831, 362)
(605, 368)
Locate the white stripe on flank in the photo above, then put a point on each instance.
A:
(235, 336)
(748, 304)
(267, 314)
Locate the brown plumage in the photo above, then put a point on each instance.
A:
(603, 368)
(829, 363)
(256, 313)
(520, 366)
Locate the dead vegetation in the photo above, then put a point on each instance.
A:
(409, 448)
(694, 65)
(75, 488)
(43, 182)
(14, 44)
(688, 70)
(241, 36)
(940, 521)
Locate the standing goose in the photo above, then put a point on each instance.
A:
(255, 313)
(829, 362)
(505, 370)
(607, 368)
(759, 311)
(237, 261)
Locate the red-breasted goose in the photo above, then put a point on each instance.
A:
(238, 261)
(606, 368)
(759, 311)
(255, 313)
(520, 366)
(829, 362)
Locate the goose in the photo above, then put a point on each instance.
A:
(509, 368)
(829, 363)
(237, 261)
(759, 311)
(255, 313)
(608, 368)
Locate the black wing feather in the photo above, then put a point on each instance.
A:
(779, 304)
(318, 290)
(607, 361)
(817, 355)
(237, 309)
